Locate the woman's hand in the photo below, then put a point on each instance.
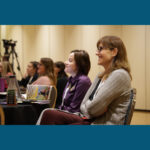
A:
(25, 75)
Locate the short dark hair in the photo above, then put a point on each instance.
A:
(82, 60)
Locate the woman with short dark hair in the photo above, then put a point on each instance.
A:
(77, 85)
(82, 61)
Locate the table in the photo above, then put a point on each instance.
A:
(23, 114)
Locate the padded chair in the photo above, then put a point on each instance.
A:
(131, 106)
(129, 113)
(41, 93)
(52, 99)
(2, 116)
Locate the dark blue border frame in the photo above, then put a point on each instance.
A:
(74, 137)
(75, 12)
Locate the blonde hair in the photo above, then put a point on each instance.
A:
(120, 60)
(49, 69)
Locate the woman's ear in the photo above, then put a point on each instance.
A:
(114, 52)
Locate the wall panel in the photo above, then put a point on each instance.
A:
(147, 67)
(14, 32)
(134, 39)
(56, 42)
(73, 39)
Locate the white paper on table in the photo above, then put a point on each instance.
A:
(24, 96)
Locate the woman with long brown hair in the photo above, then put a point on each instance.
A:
(46, 72)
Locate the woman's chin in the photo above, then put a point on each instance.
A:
(99, 63)
(66, 70)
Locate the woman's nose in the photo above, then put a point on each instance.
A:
(97, 53)
(66, 62)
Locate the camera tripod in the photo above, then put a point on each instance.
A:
(14, 55)
(7, 54)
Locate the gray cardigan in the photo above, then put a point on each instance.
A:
(110, 104)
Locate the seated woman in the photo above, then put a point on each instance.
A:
(107, 100)
(78, 66)
(46, 73)
(31, 74)
(62, 79)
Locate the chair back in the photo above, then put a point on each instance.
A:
(38, 92)
(52, 101)
(52, 96)
(2, 116)
(131, 106)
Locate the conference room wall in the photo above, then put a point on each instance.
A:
(34, 42)
(13, 32)
(43, 41)
(56, 42)
(147, 67)
(134, 38)
(85, 37)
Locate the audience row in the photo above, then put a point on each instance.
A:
(78, 102)
(107, 100)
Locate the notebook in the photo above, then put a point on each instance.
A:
(37, 92)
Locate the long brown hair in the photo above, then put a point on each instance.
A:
(49, 68)
(120, 60)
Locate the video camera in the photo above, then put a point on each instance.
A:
(7, 44)
(12, 43)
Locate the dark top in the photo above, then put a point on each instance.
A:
(78, 87)
(26, 80)
(61, 83)
(93, 92)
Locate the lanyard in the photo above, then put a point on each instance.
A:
(69, 88)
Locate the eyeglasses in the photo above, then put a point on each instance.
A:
(40, 64)
(102, 48)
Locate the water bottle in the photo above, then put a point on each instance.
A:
(11, 91)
